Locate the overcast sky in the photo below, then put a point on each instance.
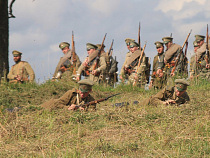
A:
(41, 25)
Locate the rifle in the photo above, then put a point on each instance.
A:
(95, 101)
(178, 57)
(139, 39)
(139, 63)
(207, 45)
(73, 54)
(99, 54)
(110, 49)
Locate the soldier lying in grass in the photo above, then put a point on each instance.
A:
(175, 95)
(72, 98)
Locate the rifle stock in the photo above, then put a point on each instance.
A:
(178, 57)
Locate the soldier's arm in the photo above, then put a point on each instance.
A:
(102, 64)
(10, 75)
(30, 71)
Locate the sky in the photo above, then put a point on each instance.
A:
(41, 25)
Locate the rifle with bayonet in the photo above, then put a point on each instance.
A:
(207, 47)
(74, 60)
(180, 53)
(95, 101)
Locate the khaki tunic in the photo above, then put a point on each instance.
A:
(67, 56)
(69, 98)
(170, 57)
(157, 81)
(167, 94)
(122, 71)
(199, 68)
(24, 70)
(140, 71)
(100, 69)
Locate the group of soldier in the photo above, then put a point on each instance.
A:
(101, 68)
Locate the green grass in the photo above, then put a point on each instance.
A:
(129, 131)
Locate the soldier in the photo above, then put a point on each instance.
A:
(158, 80)
(170, 95)
(93, 65)
(109, 75)
(193, 61)
(66, 62)
(136, 74)
(122, 74)
(73, 97)
(172, 51)
(201, 67)
(21, 71)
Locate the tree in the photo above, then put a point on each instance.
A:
(4, 38)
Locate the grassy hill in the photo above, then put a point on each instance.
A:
(129, 131)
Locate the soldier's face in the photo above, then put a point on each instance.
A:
(200, 43)
(179, 93)
(65, 50)
(160, 49)
(17, 58)
(133, 49)
(84, 94)
(90, 51)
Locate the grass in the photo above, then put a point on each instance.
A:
(129, 131)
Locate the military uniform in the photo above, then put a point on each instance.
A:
(193, 61)
(67, 62)
(122, 73)
(131, 66)
(156, 81)
(90, 64)
(169, 93)
(170, 58)
(199, 66)
(72, 97)
(22, 69)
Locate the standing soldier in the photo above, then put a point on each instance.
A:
(123, 75)
(93, 65)
(172, 51)
(66, 62)
(193, 61)
(201, 67)
(158, 80)
(21, 71)
(109, 75)
(134, 59)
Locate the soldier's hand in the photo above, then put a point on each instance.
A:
(94, 72)
(207, 66)
(78, 78)
(18, 78)
(73, 107)
(172, 74)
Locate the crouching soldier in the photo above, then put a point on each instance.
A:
(170, 95)
(72, 98)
